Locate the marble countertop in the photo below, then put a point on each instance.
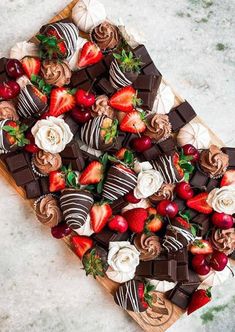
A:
(43, 288)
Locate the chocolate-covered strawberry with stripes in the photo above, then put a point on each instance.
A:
(12, 136)
(75, 205)
(120, 180)
(99, 133)
(134, 295)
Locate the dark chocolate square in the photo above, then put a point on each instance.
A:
(142, 53)
(167, 146)
(71, 123)
(145, 82)
(108, 60)
(151, 69)
(231, 153)
(77, 164)
(71, 150)
(165, 270)
(78, 77)
(186, 111)
(179, 298)
(144, 269)
(44, 184)
(152, 153)
(176, 121)
(96, 70)
(23, 176)
(199, 179)
(104, 86)
(32, 190)
(182, 272)
(16, 162)
(212, 183)
(2, 64)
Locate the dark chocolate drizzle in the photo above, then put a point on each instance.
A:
(164, 164)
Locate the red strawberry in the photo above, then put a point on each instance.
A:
(199, 298)
(14, 133)
(199, 203)
(155, 221)
(100, 213)
(183, 222)
(136, 219)
(201, 247)
(61, 102)
(176, 162)
(144, 293)
(130, 198)
(31, 146)
(60, 43)
(133, 122)
(120, 153)
(90, 54)
(125, 99)
(81, 244)
(57, 181)
(39, 94)
(228, 178)
(51, 45)
(92, 174)
(31, 65)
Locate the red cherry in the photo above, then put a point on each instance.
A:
(9, 90)
(222, 220)
(130, 198)
(184, 190)
(218, 261)
(81, 115)
(167, 208)
(31, 147)
(118, 224)
(14, 68)
(141, 144)
(84, 98)
(190, 150)
(61, 230)
(200, 264)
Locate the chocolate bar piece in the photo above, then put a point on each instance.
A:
(182, 272)
(179, 298)
(78, 77)
(181, 115)
(142, 53)
(72, 155)
(96, 70)
(106, 235)
(103, 86)
(71, 123)
(37, 188)
(147, 86)
(203, 222)
(165, 147)
(231, 153)
(118, 205)
(200, 180)
(160, 269)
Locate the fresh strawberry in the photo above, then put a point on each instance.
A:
(31, 65)
(14, 133)
(125, 99)
(90, 54)
(100, 213)
(176, 162)
(62, 101)
(81, 244)
(39, 94)
(130, 198)
(228, 178)
(199, 203)
(57, 181)
(51, 45)
(184, 222)
(154, 222)
(136, 219)
(199, 298)
(92, 174)
(133, 122)
(144, 293)
(31, 146)
(201, 247)
(120, 153)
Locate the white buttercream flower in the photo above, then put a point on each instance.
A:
(222, 200)
(148, 183)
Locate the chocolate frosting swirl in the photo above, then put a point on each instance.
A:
(56, 72)
(46, 162)
(48, 211)
(165, 192)
(158, 127)
(224, 240)
(101, 107)
(8, 111)
(106, 35)
(148, 245)
(213, 161)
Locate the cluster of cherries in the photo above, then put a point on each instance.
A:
(10, 89)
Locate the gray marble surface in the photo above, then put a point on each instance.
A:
(42, 286)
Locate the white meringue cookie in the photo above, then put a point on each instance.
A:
(216, 278)
(195, 134)
(86, 14)
(132, 36)
(164, 101)
(143, 203)
(22, 49)
(162, 285)
(86, 229)
(73, 62)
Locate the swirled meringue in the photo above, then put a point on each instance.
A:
(195, 134)
(22, 49)
(48, 211)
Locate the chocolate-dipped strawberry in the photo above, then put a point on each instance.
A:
(124, 69)
(99, 132)
(119, 181)
(174, 167)
(95, 261)
(134, 295)
(75, 205)
(31, 102)
(12, 136)
(179, 234)
(58, 40)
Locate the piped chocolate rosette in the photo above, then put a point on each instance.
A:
(45, 162)
(31, 102)
(148, 245)
(65, 37)
(214, 162)
(99, 133)
(75, 205)
(48, 211)
(124, 69)
(178, 234)
(119, 181)
(106, 35)
(158, 127)
(134, 295)
(12, 136)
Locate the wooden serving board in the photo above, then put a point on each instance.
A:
(163, 313)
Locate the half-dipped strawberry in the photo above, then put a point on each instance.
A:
(90, 54)
(95, 262)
